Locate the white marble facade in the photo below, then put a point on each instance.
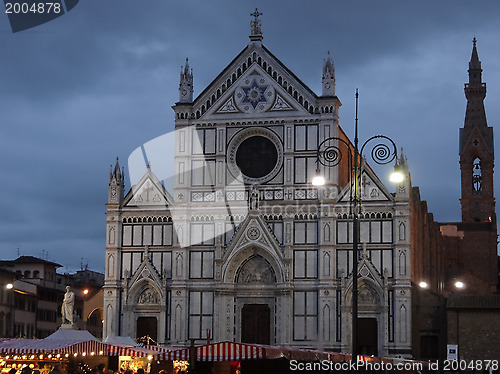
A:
(243, 242)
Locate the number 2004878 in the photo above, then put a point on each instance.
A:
(25, 8)
(462, 365)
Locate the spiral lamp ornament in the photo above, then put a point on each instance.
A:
(384, 152)
(329, 152)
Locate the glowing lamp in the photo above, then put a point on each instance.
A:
(318, 179)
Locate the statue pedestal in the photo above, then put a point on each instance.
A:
(68, 326)
(68, 332)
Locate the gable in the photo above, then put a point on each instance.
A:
(149, 192)
(372, 189)
(478, 139)
(253, 238)
(255, 93)
(255, 82)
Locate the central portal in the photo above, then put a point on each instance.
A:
(367, 336)
(147, 327)
(256, 324)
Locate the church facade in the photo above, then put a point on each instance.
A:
(243, 247)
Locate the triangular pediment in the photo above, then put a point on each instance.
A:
(255, 83)
(254, 230)
(372, 189)
(477, 138)
(254, 93)
(145, 284)
(148, 192)
(366, 270)
(370, 282)
(254, 237)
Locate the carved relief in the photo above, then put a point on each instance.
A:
(148, 296)
(281, 104)
(256, 270)
(367, 295)
(253, 233)
(228, 107)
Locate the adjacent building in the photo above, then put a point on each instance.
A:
(31, 295)
(455, 264)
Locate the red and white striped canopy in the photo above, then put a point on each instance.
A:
(228, 351)
(46, 346)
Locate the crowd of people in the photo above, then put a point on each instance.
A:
(72, 369)
(77, 369)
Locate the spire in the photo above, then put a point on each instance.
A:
(474, 65)
(256, 27)
(475, 92)
(116, 184)
(403, 188)
(328, 78)
(117, 173)
(474, 60)
(186, 84)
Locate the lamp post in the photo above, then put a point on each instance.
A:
(329, 154)
(10, 299)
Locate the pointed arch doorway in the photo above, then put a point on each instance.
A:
(255, 303)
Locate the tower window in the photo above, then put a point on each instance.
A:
(476, 176)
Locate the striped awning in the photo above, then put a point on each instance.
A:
(89, 348)
(229, 351)
(223, 351)
(46, 346)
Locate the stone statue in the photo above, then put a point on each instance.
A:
(254, 199)
(67, 307)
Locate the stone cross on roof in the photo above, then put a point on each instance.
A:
(256, 14)
(256, 26)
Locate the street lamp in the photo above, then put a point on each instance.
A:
(11, 300)
(423, 284)
(329, 154)
(459, 284)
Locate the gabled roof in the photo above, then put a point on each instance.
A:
(372, 188)
(256, 57)
(148, 192)
(253, 232)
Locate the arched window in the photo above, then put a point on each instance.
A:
(476, 175)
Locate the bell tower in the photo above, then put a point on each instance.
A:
(476, 151)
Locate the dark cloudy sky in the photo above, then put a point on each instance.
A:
(100, 81)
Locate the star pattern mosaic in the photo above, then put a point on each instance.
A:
(254, 94)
